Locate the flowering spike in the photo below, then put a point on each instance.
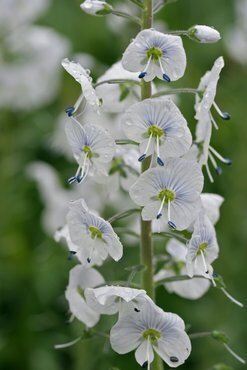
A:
(142, 157)
(70, 110)
(160, 162)
(166, 78)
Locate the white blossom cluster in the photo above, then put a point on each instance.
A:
(111, 131)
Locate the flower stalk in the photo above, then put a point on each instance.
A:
(147, 279)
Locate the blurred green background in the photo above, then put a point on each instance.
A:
(34, 269)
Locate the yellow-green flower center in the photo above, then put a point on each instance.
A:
(202, 248)
(80, 291)
(151, 334)
(95, 232)
(87, 150)
(155, 53)
(168, 194)
(155, 131)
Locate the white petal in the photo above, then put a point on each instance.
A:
(144, 353)
(125, 335)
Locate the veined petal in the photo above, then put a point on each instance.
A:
(125, 335)
(144, 353)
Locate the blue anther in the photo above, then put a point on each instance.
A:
(228, 161)
(88, 260)
(172, 225)
(142, 157)
(159, 216)
(70, 111)
(142, 74)
(72, 179)
(218, 170)
(160, 162)
(145, 365)
(225, 115)
(166, 78)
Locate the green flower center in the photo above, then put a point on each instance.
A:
(80, 291)
(155, 53)
(87, 150)
(155, 131)
(151, 334)
(202, 248)
(95, 232)
(169, 195)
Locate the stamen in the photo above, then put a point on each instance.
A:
(209, 173)
(217, 168)
(70, 111)
(170, 223)
(72, 179)
(69, 344)
(71, 254)
(231, 298)
(145, 364)
(213, 282)
(165, 77)
(137, 310)
(143, 156)
(240, 359)
(226, 161)
(204, 262)
(159, 214)
(224, 115)
(144, 72)
(213, 121)
(78, 102)
(159, 160)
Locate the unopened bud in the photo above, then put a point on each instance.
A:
(95, 7)
(204, 34)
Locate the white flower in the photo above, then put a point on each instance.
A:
(92, 234)
(203, 248)
(24, 11)
(117, 97)
(151, 330)
(33, 54)
(175, 187)
(204, 34)
(206, 97)
(81, 278)
(109, 300)
(211, 205)
(159, 127)
(205, 151)
(92, 146)
(94, 7)
(83, 77)
(193, 288)
(155, 54)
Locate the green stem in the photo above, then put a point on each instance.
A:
(124, 214)
(177, 278)
(125, 15)
(175, 91)
(147, 279)
(125, 142)
(117, 81)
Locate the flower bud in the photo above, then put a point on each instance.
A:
(203, 34)
(95, 7)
